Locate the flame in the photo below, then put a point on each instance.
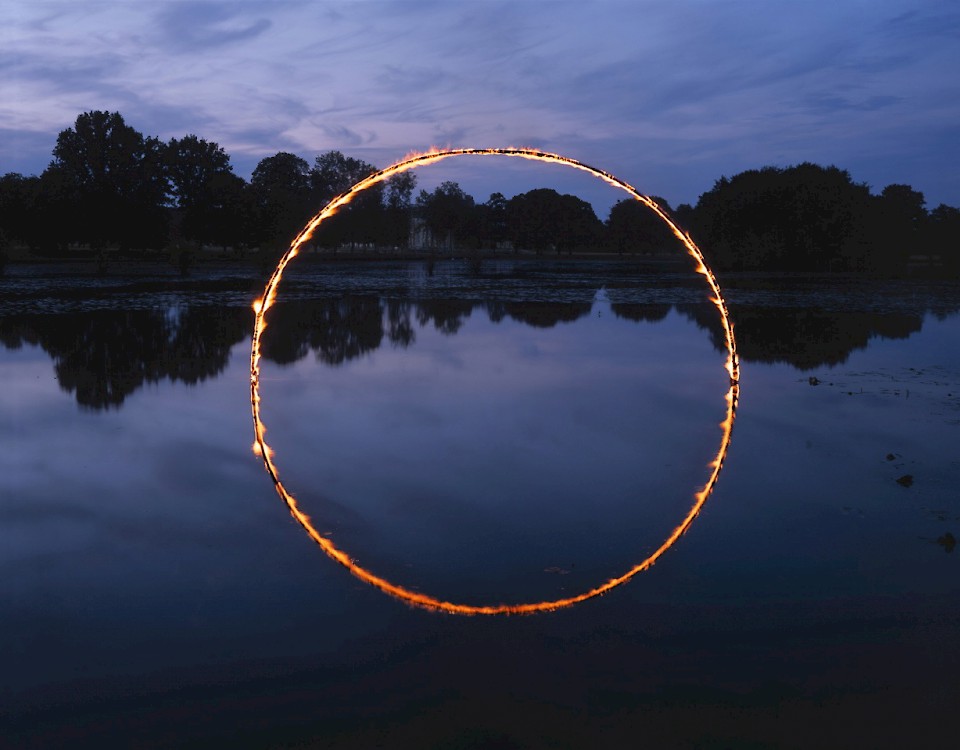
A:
(426, 601)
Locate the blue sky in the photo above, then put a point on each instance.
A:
(667, 95)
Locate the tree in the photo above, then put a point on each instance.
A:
(400, 189)
(492, 220)
(447, 212)
(55, 214)
(228, 210)
(191, 163)
(802, 218)
(280, 185)
(197, 171)
(399, 205)
(543, 219)
(118, 177)
(943, 236)
(17, 198)
(899, 221)
(633, 228)
(333, 174)
(360, 221)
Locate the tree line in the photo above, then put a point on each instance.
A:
(110, 186)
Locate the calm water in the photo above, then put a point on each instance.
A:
(507, 433)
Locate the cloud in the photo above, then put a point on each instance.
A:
(697, 87)
(193, 25)
(940, 19)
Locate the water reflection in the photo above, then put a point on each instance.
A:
(337, 330)
(650, 313)
(446, 315)
(104, 355)
(804, 338)
(192, 575)
(552, 386)
(541, 314)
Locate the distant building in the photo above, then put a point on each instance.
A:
(421, 238)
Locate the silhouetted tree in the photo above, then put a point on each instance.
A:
(633, 228)
(400, 189)
(202, 184)
(362, 220)
(543, 219)
(447, 212)
(56, 213)
(108, 184)
(801, 218)
(17, 197)
(229, 209)
(896, 227)
(280, 185)
(399, 208)
(5, 247)
(684, 215)
(118, 177)
(333, 174)
(943, 237)
(492, 221)
(191, 163)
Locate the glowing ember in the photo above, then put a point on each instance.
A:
(424, 600)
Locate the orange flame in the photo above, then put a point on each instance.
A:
(424, 600)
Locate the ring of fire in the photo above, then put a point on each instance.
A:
(424, 600)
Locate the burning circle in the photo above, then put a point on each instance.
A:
(424, 600)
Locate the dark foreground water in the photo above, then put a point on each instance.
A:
(508, 433)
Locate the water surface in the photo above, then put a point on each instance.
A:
(488, 434)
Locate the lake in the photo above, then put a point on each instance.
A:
(504, 432)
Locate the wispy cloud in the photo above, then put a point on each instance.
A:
(680, 92)
(204, 25)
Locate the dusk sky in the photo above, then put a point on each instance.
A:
(666, 95)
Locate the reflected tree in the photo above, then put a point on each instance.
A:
(639, 312)
(349, 328)
(400, 330)
(802, 337)
(336, 330)
(542, 314)
(104, 356)
(447, 315)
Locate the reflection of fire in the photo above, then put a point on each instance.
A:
(423, 600)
